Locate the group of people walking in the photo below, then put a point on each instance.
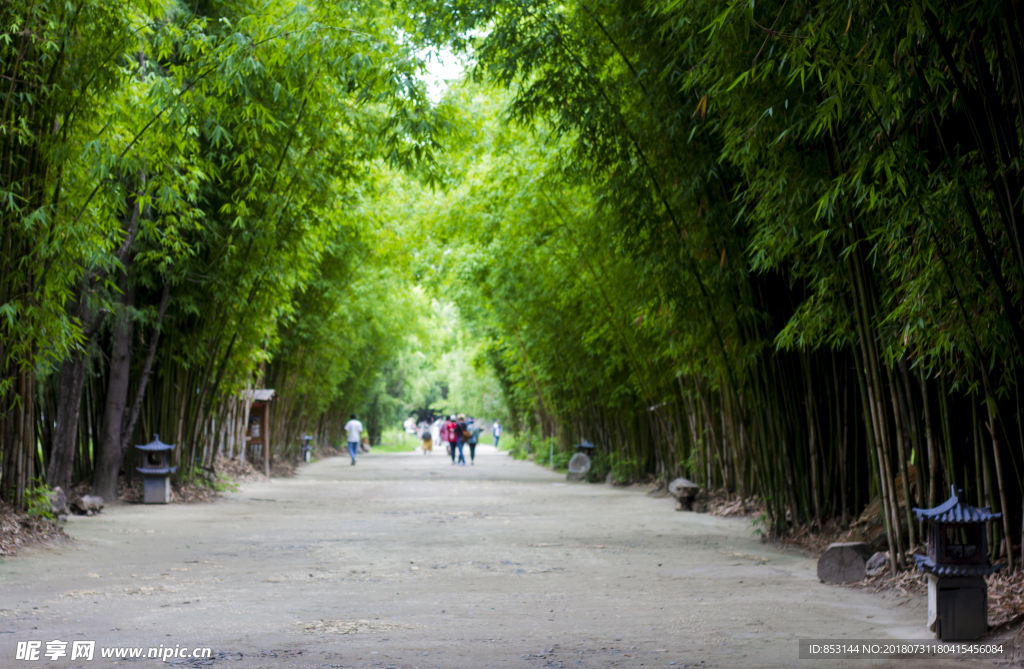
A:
(457, 433)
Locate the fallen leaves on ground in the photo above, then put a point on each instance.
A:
(1005, 591)
(1005, 596)
(721, 503)
(812, 539)
(147, 590)
(349, 627)
(745, 556)
(321, 452)
(281, 468)
(194, 491)
(188, 492)
(191, 492)
(18, 530)
(82, 593)
(129, 492)
(907, 582)
(239, 471)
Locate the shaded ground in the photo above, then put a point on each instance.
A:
(406, 561)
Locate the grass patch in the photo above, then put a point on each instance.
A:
(602, 464)
(546, 456)
(37, 500)
(506, 443)
(516, 447)
(396, 440)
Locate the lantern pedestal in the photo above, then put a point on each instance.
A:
(957, 607)
(156, 490)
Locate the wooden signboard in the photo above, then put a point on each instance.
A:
(258, 429)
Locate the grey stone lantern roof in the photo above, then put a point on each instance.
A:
(953, 511)
(156, 445)
(956, 539)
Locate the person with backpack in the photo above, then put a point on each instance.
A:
(427, 441)
(474, 439)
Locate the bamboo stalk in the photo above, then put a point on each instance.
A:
(902, 453)
(813, 445)
(933, 455)
(997, 457)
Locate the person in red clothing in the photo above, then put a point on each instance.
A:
(442, 436)
(451, 430)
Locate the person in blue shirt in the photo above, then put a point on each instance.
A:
(462, 432)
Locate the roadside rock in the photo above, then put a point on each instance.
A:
(687, 492)
(877, 563)
(88, 505)
(59, 502)
(683, 487)
(843, 563)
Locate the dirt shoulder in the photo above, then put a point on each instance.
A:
(406, 561)
(19, 530)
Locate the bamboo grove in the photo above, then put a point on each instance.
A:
(772, 246)
(185, 206)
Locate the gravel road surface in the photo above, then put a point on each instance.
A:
(406, 561)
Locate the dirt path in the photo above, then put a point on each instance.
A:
(406, 561)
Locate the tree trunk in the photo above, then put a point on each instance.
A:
(72, 379)
(140, 393)
(108, 457)
(62, 455)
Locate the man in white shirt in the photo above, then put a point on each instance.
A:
(496, 432)
(354, 428)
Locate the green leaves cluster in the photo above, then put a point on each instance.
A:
(205, 172)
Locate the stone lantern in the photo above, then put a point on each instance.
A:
(579, 465)
(156, 471)
(956, 566)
